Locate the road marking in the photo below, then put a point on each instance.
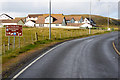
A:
(35, 61)
(115, 48)
(18, 74)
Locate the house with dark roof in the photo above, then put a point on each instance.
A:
(56, 20)
(5, 17)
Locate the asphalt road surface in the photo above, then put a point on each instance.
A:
(91, 57)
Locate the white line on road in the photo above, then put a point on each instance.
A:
(35, 61)
(17, 75)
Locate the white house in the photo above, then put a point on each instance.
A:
(5, 17)
(33, 17)
(12, 22)
(30, 23)
(56, 20)
(88, 23)
(73, 18)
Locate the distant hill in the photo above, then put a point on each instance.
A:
(101, 21)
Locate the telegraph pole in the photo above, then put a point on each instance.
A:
(108, 15)
(50, 19)
(90, 18)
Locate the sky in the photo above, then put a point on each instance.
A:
(21, 8)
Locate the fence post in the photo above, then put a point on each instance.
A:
(36, 36)
(4, 46)
(32, 38)
(71, 34)
(60, 35)
(24, 41)
(8, 42)
(55, 35)
(43, 36)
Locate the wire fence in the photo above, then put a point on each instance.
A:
(31, 35)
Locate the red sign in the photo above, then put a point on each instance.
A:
(13, 30)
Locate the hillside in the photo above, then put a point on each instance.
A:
(101, 21)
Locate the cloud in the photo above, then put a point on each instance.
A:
(57, 0)
(24, 7)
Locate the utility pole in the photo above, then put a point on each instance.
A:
(108, 16)
(90, 18)
(50, 20)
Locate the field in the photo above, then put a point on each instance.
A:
(27, 43)
(28, 39)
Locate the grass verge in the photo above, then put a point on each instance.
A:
(17, 58)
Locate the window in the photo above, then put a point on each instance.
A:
(41, 25)
(57, 24)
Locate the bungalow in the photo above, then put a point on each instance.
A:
(88, 23)
(22, 18)
(33, 17)
(56, 20)
(12, 22)
(30, 23)
(73, 20)
(5, 17)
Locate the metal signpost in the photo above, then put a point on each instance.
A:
(13, 30)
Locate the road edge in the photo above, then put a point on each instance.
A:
(50, 47)
(115, 48)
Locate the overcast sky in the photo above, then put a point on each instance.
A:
(21, 8)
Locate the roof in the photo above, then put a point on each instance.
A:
(57, 18)
(11, 21)
(20, 18)
(70, 17)
(6, 15)
(34, 15)
(91, 20)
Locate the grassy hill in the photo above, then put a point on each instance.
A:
(101, 21)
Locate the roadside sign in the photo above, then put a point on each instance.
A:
(13, 30)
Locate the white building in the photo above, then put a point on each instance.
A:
(87, 23)
(33, 17)
(5, 17)
(30, 23)
(12, 22)
(56, 20)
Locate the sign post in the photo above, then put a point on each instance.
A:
(19, 42)
(14, 43)
(13, 30)
(8, 42)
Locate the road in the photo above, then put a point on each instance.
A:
(91, 57)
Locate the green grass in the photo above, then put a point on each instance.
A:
(28, 39)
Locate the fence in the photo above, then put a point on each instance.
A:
(30, 35)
